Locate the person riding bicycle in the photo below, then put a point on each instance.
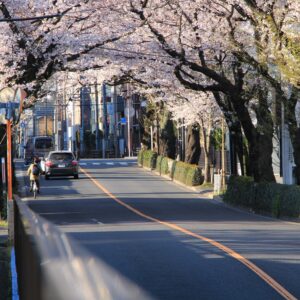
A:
(34, 172)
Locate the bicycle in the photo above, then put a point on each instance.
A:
(34, 189)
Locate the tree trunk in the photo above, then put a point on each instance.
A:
(248, 169)
(296, 152)
(235, 129)
(206, 137)
(260, 140)
(193, 151)
(207, 164)
(294, 130)
(168, 139)
(238, 147)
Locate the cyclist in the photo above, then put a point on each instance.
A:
(34, 172)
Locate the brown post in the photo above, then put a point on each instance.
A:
(9, 161)
(10, 204)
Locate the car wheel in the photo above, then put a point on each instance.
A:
(76, 176)
(47, 177)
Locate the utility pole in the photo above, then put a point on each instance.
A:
(46, 117)
(61, 146)
(104, 120)
(64, 115)
(223, 155)
(9, 160)
(151, 136)
(115, 105)
(82, 100)
(182, 139)
(128, 121)
(56, 117)
(33, 121)
(97, 117)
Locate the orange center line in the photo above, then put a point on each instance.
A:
(263, 275)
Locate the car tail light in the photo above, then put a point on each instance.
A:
(49, 164)
(74, 163)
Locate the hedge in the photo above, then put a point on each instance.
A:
(158, 163)
(165, 165)
(186, 173)
(140, 157)
(162, 164)
(147, 158)
(280, 200)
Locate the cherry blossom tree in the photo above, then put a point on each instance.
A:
(220, 46)
(200, 109)
(205, 61)
(33, 50)
(276, 23)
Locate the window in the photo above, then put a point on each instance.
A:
(43, 143)
(62, 156)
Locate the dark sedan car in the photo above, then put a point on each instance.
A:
(60, 163)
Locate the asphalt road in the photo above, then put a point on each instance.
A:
(168, 240)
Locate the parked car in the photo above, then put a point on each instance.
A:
(39, 146)
(60, 163)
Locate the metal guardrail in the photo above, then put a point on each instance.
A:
(51, 266)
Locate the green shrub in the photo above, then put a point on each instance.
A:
(290, 201)
(162, 164)
(149, 159)
(165, 165)
(279, 200)
(140, 157)
(172, 170)
(158, 163)
(187, 173)
(239, 188)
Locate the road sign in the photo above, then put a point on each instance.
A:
(129, 111)
(7, 95)
(123, 121)
(12, 101)
(22, 125)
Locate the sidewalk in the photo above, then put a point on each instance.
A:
(5, 287)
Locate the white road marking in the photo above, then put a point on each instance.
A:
(96, 221)
(123, 163)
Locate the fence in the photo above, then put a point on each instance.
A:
(51, 266)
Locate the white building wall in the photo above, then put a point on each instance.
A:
(287, 157)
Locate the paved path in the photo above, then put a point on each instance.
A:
(168, 240)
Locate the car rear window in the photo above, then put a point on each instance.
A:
(61, 156)
(43, 143)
